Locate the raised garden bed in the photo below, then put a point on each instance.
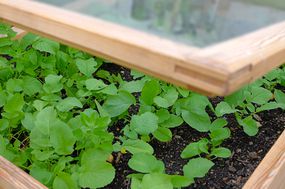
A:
(124, 111)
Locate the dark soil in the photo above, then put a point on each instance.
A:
(230, 173)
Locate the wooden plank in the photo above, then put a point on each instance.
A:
(260, 51)
(12, 177)
(147, 53)
(270, 174)
(217, 70)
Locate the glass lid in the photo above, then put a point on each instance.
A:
(194, 22)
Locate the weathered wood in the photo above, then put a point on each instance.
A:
(270, 174)
(12, 177)
(217, 70)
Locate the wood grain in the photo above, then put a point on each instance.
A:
(12, 177)
(270, 173)
(216, 70)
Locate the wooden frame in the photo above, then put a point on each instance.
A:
(12, 177)
(270, 173)
(216, 70)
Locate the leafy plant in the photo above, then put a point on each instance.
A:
(59, 107)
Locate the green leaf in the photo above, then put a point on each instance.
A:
(4, 124)
(64, 181)
(53, 84)
(136, 180)
(163, 134)
(194, 112)
(145, 163)
(224, 108)
(14, 85)
(197, 103)
(41, 173)
(156, 181)
(183, 92)
(236, 98)
(46, 45)
(95, 154)
(167, 99)
(87, 67)
(62, 138)
(136, 74)
(279, 96)
(68, 103)
(179, 181)
(133, 86)
(29, 121)
(163, 115)
(117, 104)
(150, 90)
(109, 90)
(42, 155)
(31, 85)
(145, 123)
(161, 102)
(197, 168)
(218, 124)
(195, 148)
(197, 120)
(260, 95)
(3, 98)
(221, 152)
(249, 125)
(220, 134)
(137, 146)
(96, 174)
(39, 104)
(94, 84)
(14, 104)
(45, 119)
(172, 121)
(268, 106)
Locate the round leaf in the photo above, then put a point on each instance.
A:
(197, 168)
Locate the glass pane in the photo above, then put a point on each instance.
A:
(195, 22)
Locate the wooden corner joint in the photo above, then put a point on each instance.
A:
(221, 79)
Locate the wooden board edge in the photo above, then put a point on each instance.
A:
(270, 173)
(210, 71)
(146, 53)
(251, 56)
(12, 177)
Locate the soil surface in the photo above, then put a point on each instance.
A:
(230, 173)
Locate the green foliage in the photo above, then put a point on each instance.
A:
(145, 123)
(197, 168)
(115, 105)
(137, 146)
(87, 67)
(195, 148)
(146, 163)
(59, 110)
